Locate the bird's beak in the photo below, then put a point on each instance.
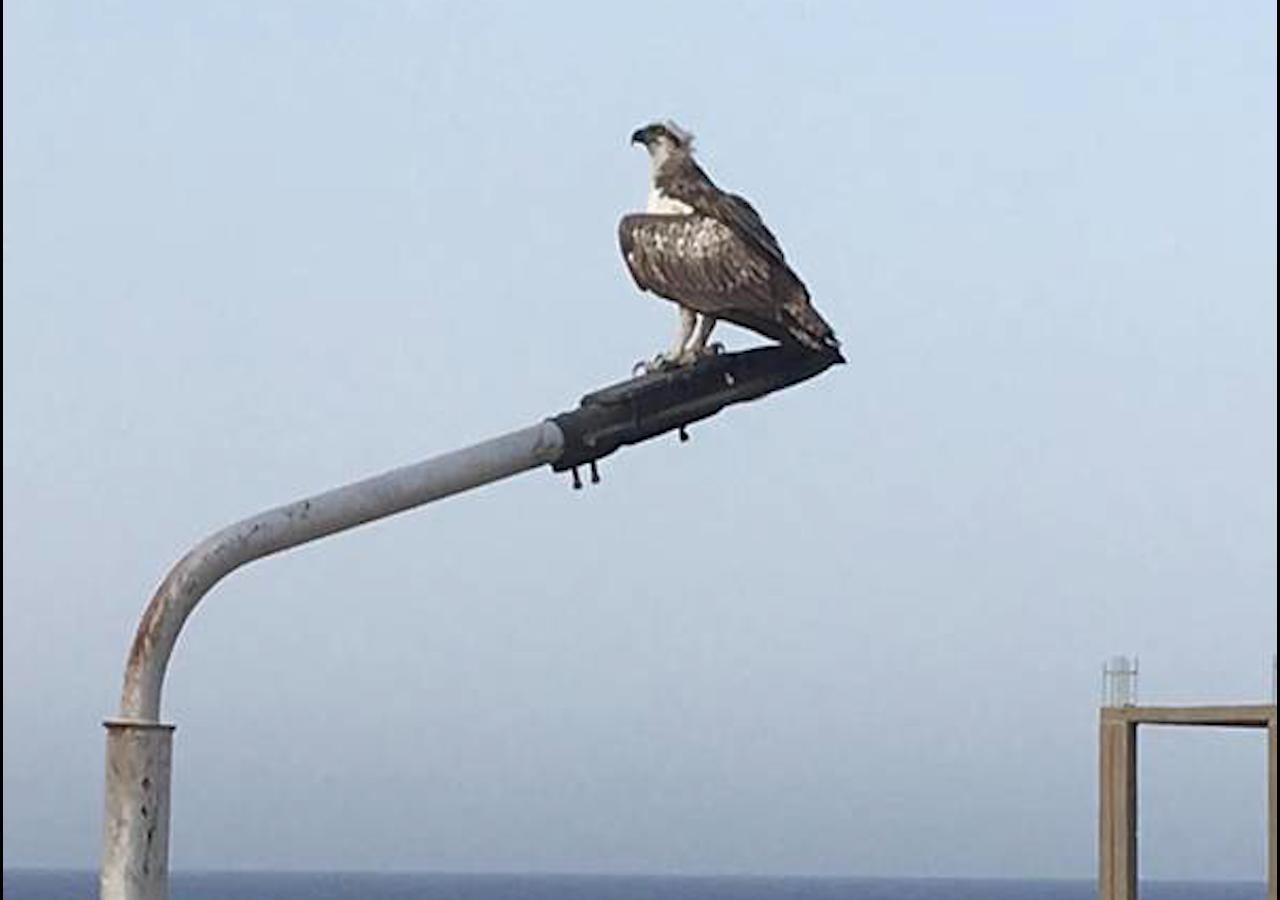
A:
(640, 136)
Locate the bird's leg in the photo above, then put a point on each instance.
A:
(698, 346)
(677, 355)
(688, 322)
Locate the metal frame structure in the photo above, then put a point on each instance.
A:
(135, 856)
(1118, 721)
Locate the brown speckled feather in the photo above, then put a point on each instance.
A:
(720, 260)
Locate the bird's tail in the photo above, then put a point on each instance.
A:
(807, 326)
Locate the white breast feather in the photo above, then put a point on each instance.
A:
(662, 205)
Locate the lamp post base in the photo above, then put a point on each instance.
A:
(135, 840)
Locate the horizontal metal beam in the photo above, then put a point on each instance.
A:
(1220, 716)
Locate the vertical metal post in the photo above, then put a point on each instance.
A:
(135, 838)
(1118, 819)
(1271, 790)
(1271, 808)
(135, 846)
(1118, 784)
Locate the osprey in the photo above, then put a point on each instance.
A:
(710, 253)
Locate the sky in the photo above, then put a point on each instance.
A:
(253, 251)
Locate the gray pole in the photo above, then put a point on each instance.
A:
(135, 846)
(135, 842)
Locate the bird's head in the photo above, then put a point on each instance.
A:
(663, 139)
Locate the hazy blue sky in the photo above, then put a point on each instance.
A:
(254, 250)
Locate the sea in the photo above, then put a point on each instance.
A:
(22, 884)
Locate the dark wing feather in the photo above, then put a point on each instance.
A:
(687, 182)
(700, 263)
(721, 260)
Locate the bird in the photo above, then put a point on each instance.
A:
(710, 253)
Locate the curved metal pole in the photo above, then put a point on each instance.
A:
(135, 856)
(135, 840)
(303, 521)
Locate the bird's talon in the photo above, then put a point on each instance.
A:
(664, 362)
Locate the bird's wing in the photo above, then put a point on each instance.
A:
(780, 306)
(691, 185)
(703, 264)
